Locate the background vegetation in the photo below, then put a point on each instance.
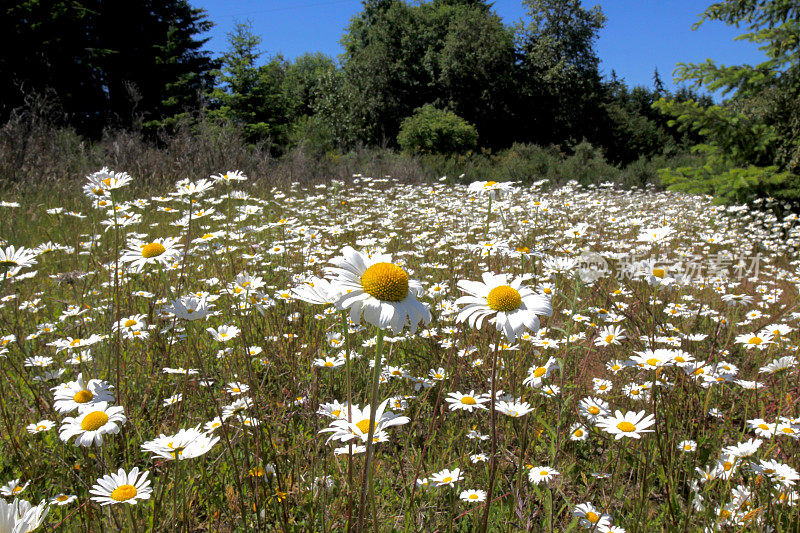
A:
(532, 95)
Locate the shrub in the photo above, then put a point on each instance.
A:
(432, 130)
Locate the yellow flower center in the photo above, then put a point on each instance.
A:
(328, 364)
(578, 433)
(130, 322)
(336, 412)
(544, 473)
(594, 410)
(94, 421)
(363, 426)
(386, 282)
(154, 249)
(17, 489)
(448, 479)
(489, 184)
(653, 361)
(124, 493)
(609, 338)
(468, 400)
(626, 426)
(75, 342)
(523, 249)
(539, 372)
(62, 498)
(592, 517)
(82, 396)
(473, 496)
(687, 447)
(504, 298)
(755, 340)
(659, 272)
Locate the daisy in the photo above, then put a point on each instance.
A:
(185, 444)
(630, 424)
(507, 304)
(379, 290)
(14, 259)
(107, 180)
(122, 488)
(172, 400)
(12, 488)
(536, 374)
(513, 409)
(344, 430)
(93, 421)
(20, 516)
(317, 291)
(591, 518)
(40, 426)
(473, 495)
(653, 359)
(161, 251)
(188, 308)
(753, 340)
(578, 432)
(224, 333)
(78, 393)
(235, 388)
(63, 499)
(610, 335)
(687, 446)
(601, 386)
(466, 402)
(539, 474)
(447, 477)
(593, 408)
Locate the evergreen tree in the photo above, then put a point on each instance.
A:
(106, 62)
(752, 141)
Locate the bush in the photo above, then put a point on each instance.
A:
(436, 131)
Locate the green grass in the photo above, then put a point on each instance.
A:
(265, 475)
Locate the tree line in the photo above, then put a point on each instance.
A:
(437, 76)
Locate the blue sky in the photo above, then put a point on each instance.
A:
(639, 36)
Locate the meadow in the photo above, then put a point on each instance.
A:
(371, 355)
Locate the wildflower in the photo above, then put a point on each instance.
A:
(472, 495)
(188, 308)
(20, 516)
(40, 426)
(160, 251)
(513, 409)
(753, 340)
(122, 487)
(539, 474)
(93, 421)
(185, 444)
(610, 335)
(447, 477)
(12, 488)
(379, 290)
(590, 518)
(508, 305)
(687, 446)
(630, 424)
(344, 429)
(466, 402)
(224, 333)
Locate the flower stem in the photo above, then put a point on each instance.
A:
(367, 476)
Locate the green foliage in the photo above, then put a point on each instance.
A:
(729, 183)
(436, 131)
(752, 140)
(108, 63)
(250, 94)
(399, 57)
